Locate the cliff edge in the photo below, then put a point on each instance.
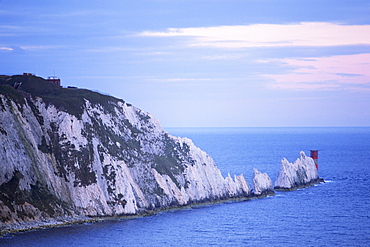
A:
(68, 154)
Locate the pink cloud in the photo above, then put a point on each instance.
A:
(344, 71)
(270, 35)
(6, 48)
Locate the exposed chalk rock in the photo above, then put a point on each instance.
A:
(300, 173)
(262, 184)
(68, 154)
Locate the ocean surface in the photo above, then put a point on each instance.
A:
(335, 213)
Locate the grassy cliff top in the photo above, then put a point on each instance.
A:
(71, 100)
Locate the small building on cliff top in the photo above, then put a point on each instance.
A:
(55, 80)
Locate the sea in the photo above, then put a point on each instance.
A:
(334, 213)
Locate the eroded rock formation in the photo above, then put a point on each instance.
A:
(302, 172)
(70, 154)
(262, 184)
(67, 154)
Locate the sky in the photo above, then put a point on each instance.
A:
(202, 63)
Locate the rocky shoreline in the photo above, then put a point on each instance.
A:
(312, 183)
(73, 155)
(82, 220)
(65, 221)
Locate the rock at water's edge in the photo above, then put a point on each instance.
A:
(69, 154)
(300, 173)
(262, 184)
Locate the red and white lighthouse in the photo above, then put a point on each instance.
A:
(315, 157)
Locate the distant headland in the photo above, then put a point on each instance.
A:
(71, 155)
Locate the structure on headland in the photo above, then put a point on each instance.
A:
(53, 79)
(315, 156)
(125, 163)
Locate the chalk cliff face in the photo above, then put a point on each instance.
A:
(262, 184)
(300, 173)
(69, 153)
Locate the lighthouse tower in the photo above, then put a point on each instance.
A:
(315, 157)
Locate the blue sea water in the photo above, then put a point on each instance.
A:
(335, 213)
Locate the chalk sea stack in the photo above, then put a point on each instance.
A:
(301, 173)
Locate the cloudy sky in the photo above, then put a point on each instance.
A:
(202, 63)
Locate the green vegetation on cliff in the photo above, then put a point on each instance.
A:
(70, 100)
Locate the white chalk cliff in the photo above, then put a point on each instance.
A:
(67, 154)
(262, 184)
(300, 173)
